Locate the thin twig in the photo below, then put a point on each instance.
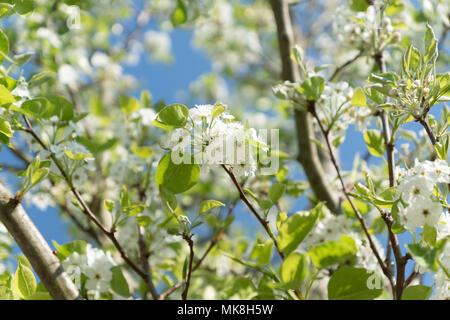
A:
(345, 65)
(308, 155)
(188, 239)
(212, 244)
(85, 208)
(262, 221)
(386, 271)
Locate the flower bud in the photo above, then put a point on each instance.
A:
(393, 92)
(396, 37)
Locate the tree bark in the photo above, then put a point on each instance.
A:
(35, 248)
(307, 150)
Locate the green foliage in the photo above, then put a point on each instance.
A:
(293, 230)
(351, 284)
(24, 282)
(179, 15)
(312, 88)
(418, 292)
(294, 269)
(35, 173)
(174, 115)
(176, 178)
(118, 283)
(375, 142)
(208, 205)
(333, 252)
(427, 257)
(128, 105)
(359, 98)
(359, 5)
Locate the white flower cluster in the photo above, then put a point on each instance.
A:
(441, 280)
(219, 32)
(159, 45)
(77, 168)
(217, 140)
(329, 228)
(332, 228)
(416, 188)
(95, 265)
(359, 29)
(334, 109)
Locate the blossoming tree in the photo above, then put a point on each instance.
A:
(248, 196)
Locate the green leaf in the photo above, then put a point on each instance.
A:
(6, 293)
(23, 7)
(394, 7)
(333, 252)
(35, 108)
(77, 156)
(262, 251)
(176, 178)
(276, 192)
(375, 142)
(24, 281)
(411, 60)
(418, 292)
(429, 234)
(39, 175)
(217, 110)
(351, 284)
(108, 205)
(143, 220)
(168, 199)
(5, 8)
(359, 5)
(5, 128)
(363, 208)
(60, 107)
(209, 205)
(69, 248)
(4, 46)
(312, 88)
(128, 105)
(118, 283)
(294, 269)
(179, 15)
(21, 59)
(359, 98)
(427, 257)
(143, 152)
(431, 45)
(5, 96)
(174, 115)
(292, 231)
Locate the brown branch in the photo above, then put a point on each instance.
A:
(188, 239)
(384, 267)
(35, 248)
(307, 150)
(85, 208)
(262, 221)
(86, 229)
(144, 255)
(423, 121)
(212, 244)
(411, 277)
(345, 65)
